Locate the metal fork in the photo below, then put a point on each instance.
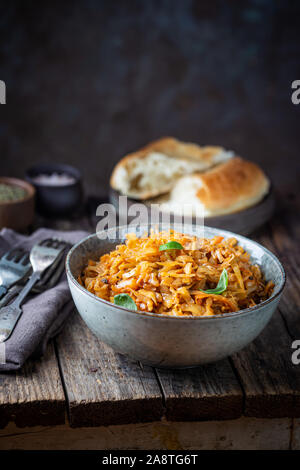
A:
(14, 266)
(51, 276)
(42, 256)
(48, 279)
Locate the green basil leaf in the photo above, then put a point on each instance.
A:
(222, 284)
(124, 300)
(171, 246)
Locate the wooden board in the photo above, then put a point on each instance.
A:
(270, 381)
(203, 393)
(295, 444)
(103, 387)
(281, 238)
(213, 391)
(33, 395)
(242, 433)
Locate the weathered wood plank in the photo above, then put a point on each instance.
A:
(270, 381)
(203, 393)
(270, 391)
(33, 395)
(242, 433)
(103, 387)
(282, 238)
(97, 396)
(295, 444)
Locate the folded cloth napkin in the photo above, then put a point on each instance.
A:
(43, 314)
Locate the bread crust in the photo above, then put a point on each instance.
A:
(172, 148)
(232, 182)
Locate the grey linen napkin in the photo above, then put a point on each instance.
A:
(43, 314)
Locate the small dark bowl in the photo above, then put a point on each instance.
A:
(56, 200)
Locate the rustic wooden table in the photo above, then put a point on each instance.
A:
(82, 395)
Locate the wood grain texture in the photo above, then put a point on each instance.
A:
(282, 237)
(34, 395)
(203, 393)
(295, 444)
(103, 387)
(270, 380)
(242, 433)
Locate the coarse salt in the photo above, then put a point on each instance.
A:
(54, 179)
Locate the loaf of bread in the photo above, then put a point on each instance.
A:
(229, 187)
(154, 169)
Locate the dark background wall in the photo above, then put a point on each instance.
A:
(88, 81)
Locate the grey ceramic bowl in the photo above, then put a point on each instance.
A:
(161, 340)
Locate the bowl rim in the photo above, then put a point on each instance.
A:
(224, 316)
(29, 188)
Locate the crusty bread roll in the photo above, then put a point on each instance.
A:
(154, 169)
(229, 187)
